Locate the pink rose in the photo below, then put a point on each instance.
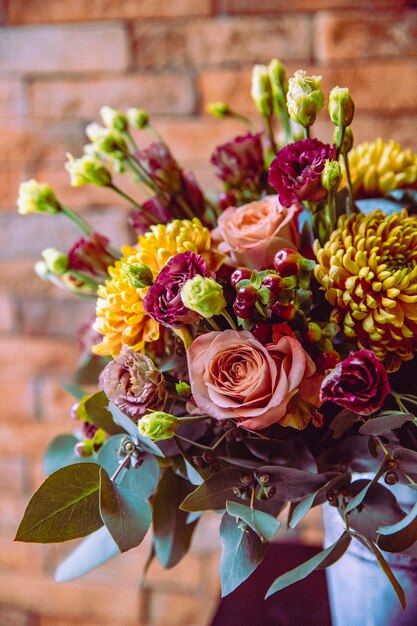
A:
(251, 234)
(233, 376)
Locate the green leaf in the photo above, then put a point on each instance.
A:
(385, 422)
(143, 480)
(356, 500)
(172, 534)
(291, 483)
(89, 369)
(60, 453)
(324, 559)
(132, 430)
(66, 506)
(343, 422)
(318, 497)
(400, 536)
(126, 516)
(242, 552)
(74, 391)
(382, 563)
(93, 551)
(407, 459)
(95, 409)
(263, 524)
(214, 492)
(379, 507)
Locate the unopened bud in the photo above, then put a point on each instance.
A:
(348, 139)
(158, 425)
(218, 109)
(279, 83)
(35, 197)
(113, 118)
(262, 90)
(203, 295)
(304, 98)
(87, 170)
(138, 118)
(183, 389)
(55, 261)
(331, 176)
(139, 276)
(341, 106)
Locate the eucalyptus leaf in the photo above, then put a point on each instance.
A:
(132, 430)
(400, 536)
(93, 551)
(242, 552)
(142, 479)
(385, 422)
(264, 525)
(379, 507)
(324, 559)
(74, 391)
(407, 459)
(126, 516)
(318, 497)
(96, 411)
(343, 422)
(214, 492)
(357, 499)
(172, 532)
(60, 453)
(66, 506)
(382, 563)
(291, 483)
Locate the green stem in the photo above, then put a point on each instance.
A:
(332, 209)
(85, 279)
(124, 195)
(121, 466)
(270, 131)
(131, 140)
(213, 324)
(229, 320)
(193, 418)
(306, 132)
(79, 221)
(351, 207)
(242, 118)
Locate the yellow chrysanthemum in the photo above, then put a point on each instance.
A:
(368, 270)
(120, 316)
(379, 167)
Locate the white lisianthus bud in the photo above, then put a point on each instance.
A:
(138, 117)
(113, 118)
(341, 106)
(35, 197)
(87, 170)
(304, 98)
(262, 90)
(56, 261)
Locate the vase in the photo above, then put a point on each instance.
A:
(360, 593)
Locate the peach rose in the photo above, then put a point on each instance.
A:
(233, 376)
(250, 235)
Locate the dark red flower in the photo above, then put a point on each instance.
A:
(296, 171)
(239, 163)
(156, 206)
(161, 166)
(91, 255)
(163, 300)
(358, 383)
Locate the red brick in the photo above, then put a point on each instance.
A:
(33, 355)
(349, 36)
(17, 555)
(11, 175)
(185, 577)
(14, 474)
(7, 313)
(180, 610)
(16, 398)
(82, 99)
(12, 617)
(390, 86)
(57, 620)
(31, 11)
(221, 41)
(55, 403)
(30, 440)
(72, 48)
(244, 7)
(12, 100)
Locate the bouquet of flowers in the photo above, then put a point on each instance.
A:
(254, 348)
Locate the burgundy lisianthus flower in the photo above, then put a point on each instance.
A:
(163, 301)
(133, 383)
(157, 207)
(91, 255)
(296, 171)
(161, 166)
(240, 162)
(358, 383)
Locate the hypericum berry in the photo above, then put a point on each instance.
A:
(226, 199)
(247, 295)
(313, 333)
(391, 478)
(240, 274)
(243, 311)
(274, 283)
(327, 360)
(263, 332)
(287, 262)
(81, 450)
(284, 311)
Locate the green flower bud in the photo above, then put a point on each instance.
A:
(183, 389)
(331, 176)
(55, 261)
(37, 197)
(341, 106)
(304, 98)
(107, 140)
(158, 425)
(41, 270)
(279, 83)
(87, 170)
(218, 109)
(138, 275)
(138, 117)
(113, 118)
(203, 295)
(262, 90)
(348, 139)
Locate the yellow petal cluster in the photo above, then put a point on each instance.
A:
(120, 316)
(378, 167)
(368, 270)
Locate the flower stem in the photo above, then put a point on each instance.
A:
(124, 195)
(121, 466)
(351, 207)
(213, 324)
(242, 118)
(270, 131)
(229, 320)
(79, 221)
(306, 132)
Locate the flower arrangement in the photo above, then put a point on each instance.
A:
(255, 348)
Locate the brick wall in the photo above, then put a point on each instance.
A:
(59, 62)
